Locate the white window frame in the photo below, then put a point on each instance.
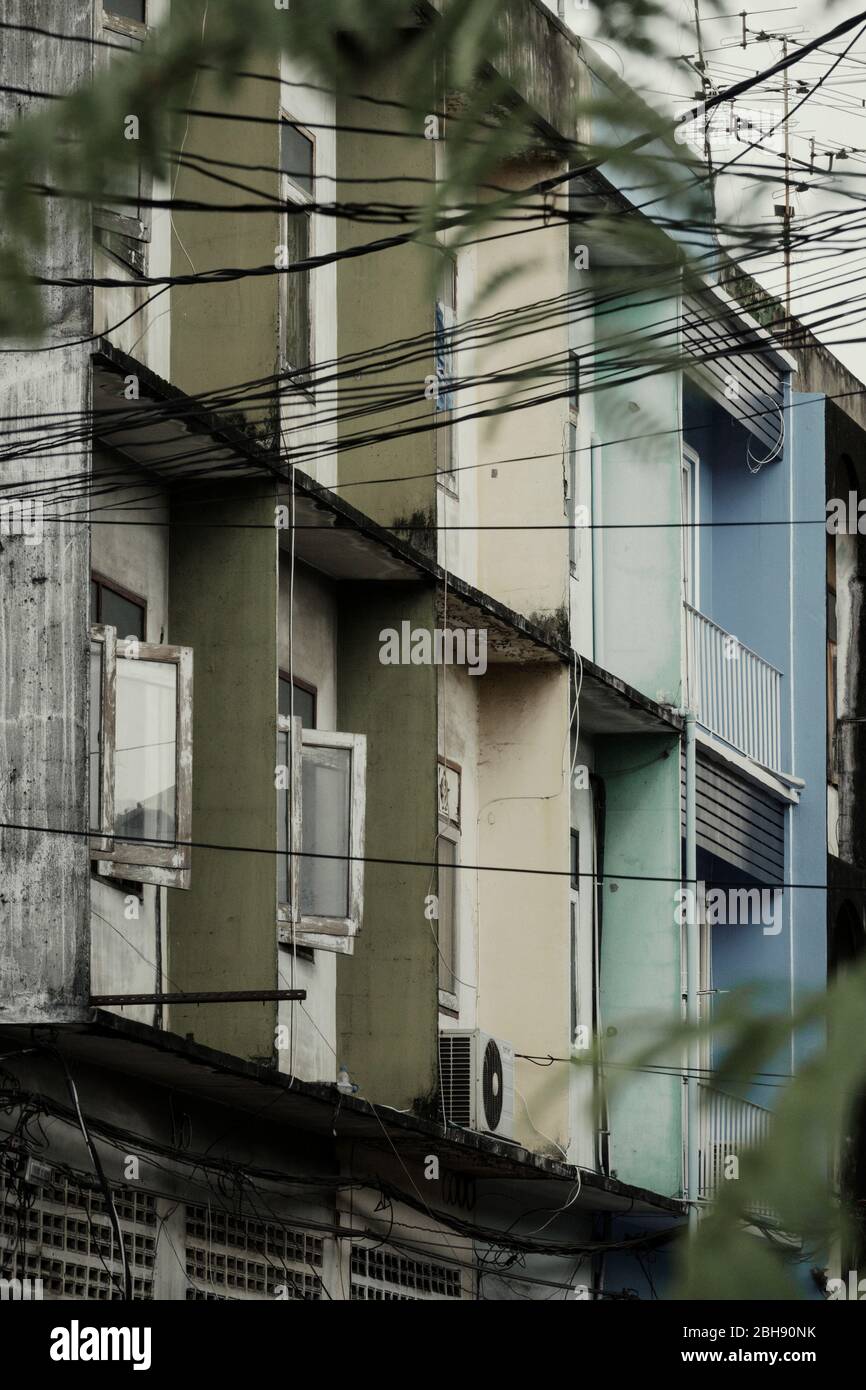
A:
(445, 434)
(705, 979)
(136, 229)
(574, 943)
(689, 514)
(571, 469)
(323, 933)
(166, 865)
(450, 832)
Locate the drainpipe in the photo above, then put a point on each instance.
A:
(595, 516)
(693, 946)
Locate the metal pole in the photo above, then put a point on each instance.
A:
(787, 228)
(693, 946)
(220, 996)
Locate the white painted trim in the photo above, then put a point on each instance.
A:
(324, 933)
(783, 786)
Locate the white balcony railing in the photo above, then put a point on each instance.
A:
(734, 693)
(728, 1126)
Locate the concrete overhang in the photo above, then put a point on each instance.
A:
(137, 1052)
(608, 705)
(174, 440)
(336, 539)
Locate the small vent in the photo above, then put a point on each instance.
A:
(229, 1257)
(382, 1276)
(493, 1082)
(456, 1079)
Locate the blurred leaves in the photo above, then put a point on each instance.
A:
(77, 143)
(788, 1207)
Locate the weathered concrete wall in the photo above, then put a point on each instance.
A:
(165, 1116)
(44, 641)
(387, 991)
(846, 440)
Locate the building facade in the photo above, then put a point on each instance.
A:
(404, 723)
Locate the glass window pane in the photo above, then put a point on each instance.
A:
(121, 613)
(573, 546)
(575, 382)
(575, 859)
(284, 813)
(296, 292)
(145, 756)
(126, 9)
(296, 156)
(126, 184)
(94, 760)
(304, 703)
(575, 981)
(326, 785)
(447, 857)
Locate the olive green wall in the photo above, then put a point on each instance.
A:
(223, 603)
(641, 988)
(387, 1002)
(226, 333)
(383, 297)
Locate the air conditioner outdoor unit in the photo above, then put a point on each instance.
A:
(476, 1078)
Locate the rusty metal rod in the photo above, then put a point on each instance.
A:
(236, 996)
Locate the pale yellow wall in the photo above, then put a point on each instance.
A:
(524, 821)
(527, 568)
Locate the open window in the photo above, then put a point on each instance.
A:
(140, 758)
(321, 794)
(123, 225)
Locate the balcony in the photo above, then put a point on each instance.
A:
(734, 693)
(728, 1126)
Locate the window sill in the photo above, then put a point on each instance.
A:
(117, 24)
(295, 379)
(447, 483)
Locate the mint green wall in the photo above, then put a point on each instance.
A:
(223, 603)
(640, 602)
(640, 953)
(387, 992)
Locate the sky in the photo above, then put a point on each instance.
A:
(826, 277)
